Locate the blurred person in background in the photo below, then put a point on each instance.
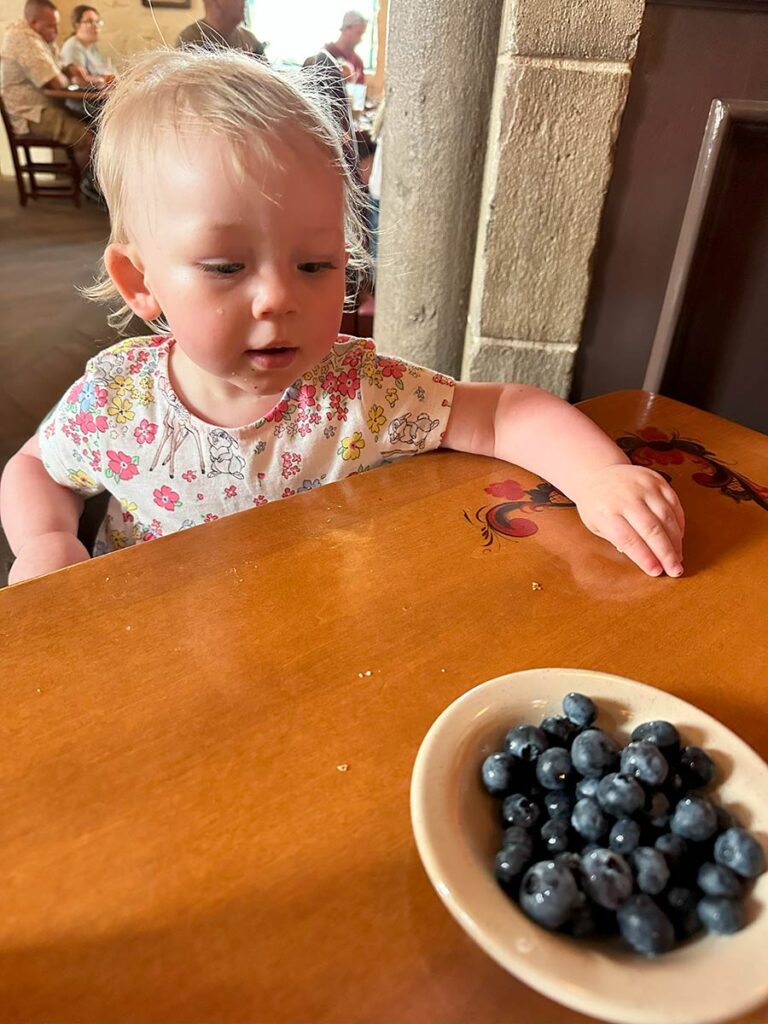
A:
(31, 62)
(353, 26)
(82, 48)
(222, 26)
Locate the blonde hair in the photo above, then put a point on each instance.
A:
(231, 96)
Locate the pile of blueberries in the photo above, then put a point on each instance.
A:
(599, 839)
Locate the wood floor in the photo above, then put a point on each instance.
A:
(47, 330)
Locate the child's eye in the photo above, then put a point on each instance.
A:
(314, 268)
(222, 269)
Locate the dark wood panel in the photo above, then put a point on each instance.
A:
(719, 345)
(687, 56)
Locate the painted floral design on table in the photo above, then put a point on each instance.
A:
(648, 447)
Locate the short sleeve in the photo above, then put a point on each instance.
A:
(73, 52)
(39, 64)
(406, 407)
(70, 438)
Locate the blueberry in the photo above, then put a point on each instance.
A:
(674, 787)
(516, 836)
(582, 923)
(663, 734)
(721, 915)
(624, 837)
(525, 742)
(695, 819)
(579, 708)
(645, 762)
(657, 810)
(645, 926)
(607, 878)
(593, 752)
(553, 768)
(620, 795)
(588, 820)
(548, 893)
(497, 773)
(510, 861)
(558, 730)
(558, 804)
(673, 847)
(696, 767)
(570, 860)
(718, 880)
(681, 904)
(651, 869)
(518, 809)
(555, 836)
(587, 788)
(738, 850)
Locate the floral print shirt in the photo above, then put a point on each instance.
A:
(121, 428)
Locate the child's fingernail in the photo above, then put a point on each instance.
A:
(676, 570)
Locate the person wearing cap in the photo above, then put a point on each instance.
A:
(353, 26)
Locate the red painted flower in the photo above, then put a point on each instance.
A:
(509, 489)
(166, 498)
(189, 476)
(122, 465)
(652, 434)
(210, 518)
(230, 492)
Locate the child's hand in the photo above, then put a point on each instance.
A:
(45, 553)
(638, 512)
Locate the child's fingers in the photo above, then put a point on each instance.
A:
(673, 501)
(620, 532)
(666, 516)
(653, 532)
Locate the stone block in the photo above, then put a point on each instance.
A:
(580, 29)
(548, 166)
(546, 365)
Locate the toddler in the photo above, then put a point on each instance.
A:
(234, 222)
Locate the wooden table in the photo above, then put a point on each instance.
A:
(91, 95)
(178, 841)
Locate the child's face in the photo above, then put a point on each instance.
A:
(247, 268)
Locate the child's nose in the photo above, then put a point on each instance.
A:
(274, 296)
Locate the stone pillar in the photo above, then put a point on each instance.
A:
(561, 85)
(441, 57)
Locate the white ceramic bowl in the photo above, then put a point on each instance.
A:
(706, 980)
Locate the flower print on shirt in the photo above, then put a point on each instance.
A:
(145, 432)
(121, 409)
(352, 446)
(167, 498)
(376, 420)
(291, 463)
(334, 421)
(121, 466)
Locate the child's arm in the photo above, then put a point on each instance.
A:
(632, 507)
(39, 517)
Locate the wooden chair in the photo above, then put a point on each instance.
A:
(25, 164)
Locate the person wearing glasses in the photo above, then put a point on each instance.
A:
(82, 47)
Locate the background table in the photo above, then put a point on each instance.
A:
(177, 841)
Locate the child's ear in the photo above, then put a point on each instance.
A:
(125, 268)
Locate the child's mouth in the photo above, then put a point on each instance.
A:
(275, 358)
